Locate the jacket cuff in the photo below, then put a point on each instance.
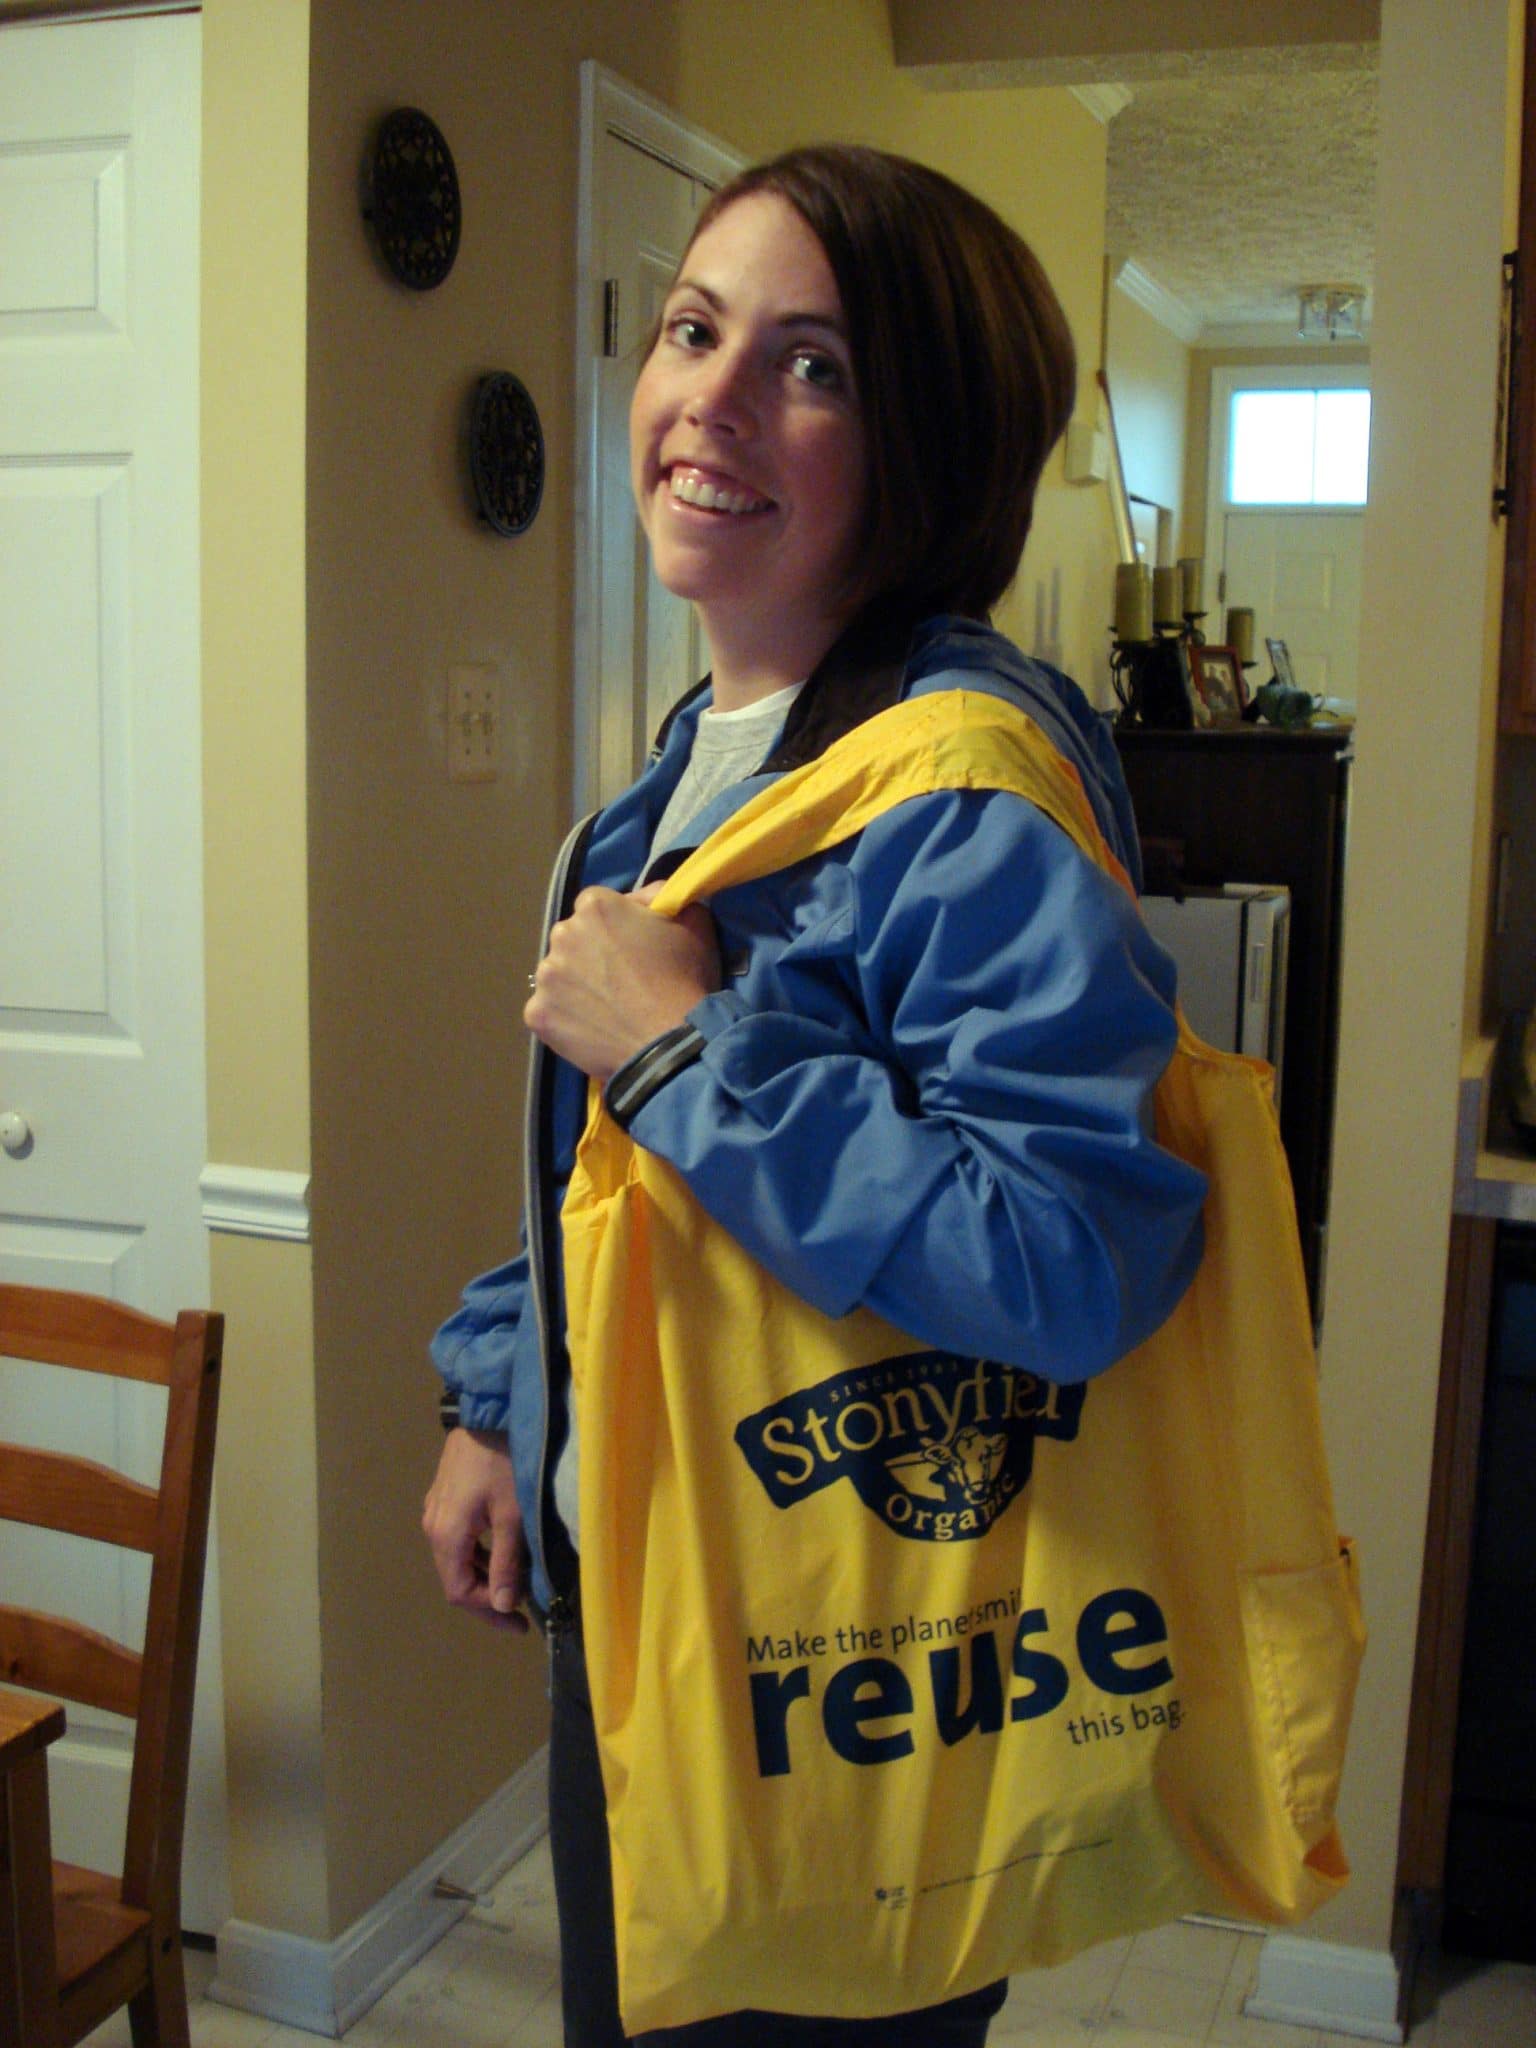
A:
(631, 1087)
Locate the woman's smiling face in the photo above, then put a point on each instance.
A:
(747, 447)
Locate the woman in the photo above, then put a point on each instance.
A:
(912, 1074)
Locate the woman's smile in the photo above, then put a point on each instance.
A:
(747, 446)
(711, 492)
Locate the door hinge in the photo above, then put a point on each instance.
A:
(610, 316)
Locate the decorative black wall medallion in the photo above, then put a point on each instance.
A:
(506, 453)
(411, 199)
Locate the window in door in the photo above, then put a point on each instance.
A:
(1298, 447)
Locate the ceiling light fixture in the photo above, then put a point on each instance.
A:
(1330, 312)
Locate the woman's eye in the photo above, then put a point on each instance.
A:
(688, 331)
(811, 367)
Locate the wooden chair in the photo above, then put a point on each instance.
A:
(116, 1940)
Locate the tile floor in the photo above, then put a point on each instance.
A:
(492, 1983)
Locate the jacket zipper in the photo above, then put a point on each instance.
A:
(535, 1192)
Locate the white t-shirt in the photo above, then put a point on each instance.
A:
(727, 747)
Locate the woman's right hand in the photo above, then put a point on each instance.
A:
(475, 1528)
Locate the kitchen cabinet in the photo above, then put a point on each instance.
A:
(1469, 1783)
(1489, 1903)
(1252, 804)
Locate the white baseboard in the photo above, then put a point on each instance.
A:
(1321, 1984)
(324, 1987)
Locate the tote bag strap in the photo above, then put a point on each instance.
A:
(951, 739)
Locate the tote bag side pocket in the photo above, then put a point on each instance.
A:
(1305, 1638)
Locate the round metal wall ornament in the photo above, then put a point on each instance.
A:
(412, 199)
(506, 453)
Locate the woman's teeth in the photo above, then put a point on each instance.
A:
(693, 490)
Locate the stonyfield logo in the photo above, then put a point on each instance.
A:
(936, 1446)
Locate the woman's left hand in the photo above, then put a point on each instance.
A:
(616, 976)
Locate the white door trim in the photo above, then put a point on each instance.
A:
(610, 105)
(1229, 377)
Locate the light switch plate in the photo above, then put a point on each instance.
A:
(474, 723)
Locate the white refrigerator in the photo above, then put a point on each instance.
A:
(1230, 945)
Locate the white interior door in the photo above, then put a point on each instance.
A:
(101, 999)
(1300, 571)
(648, 646)
(646, 177)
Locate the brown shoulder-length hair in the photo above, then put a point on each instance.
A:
(964, 362)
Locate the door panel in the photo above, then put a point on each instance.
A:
(648, 650)
(101, 1011)
(1300, 571)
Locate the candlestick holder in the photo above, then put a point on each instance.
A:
(1151, 680)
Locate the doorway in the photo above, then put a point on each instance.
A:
(645, 177)
(1285, 521)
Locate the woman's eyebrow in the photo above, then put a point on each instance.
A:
(832, 322)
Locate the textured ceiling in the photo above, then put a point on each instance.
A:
(1230, 191)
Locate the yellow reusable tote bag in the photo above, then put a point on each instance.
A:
(910, 1671)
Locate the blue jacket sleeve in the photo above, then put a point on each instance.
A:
(475, 1349)
(968, 1150)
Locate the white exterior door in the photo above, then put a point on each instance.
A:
(101, 999)
(1300, 571)
(645, 179)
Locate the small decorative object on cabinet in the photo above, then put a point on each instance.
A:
(411, 199)
(1218, 678)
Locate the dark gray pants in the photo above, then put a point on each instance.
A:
(578, 1835)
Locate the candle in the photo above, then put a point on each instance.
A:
(1191, 583)
(1240, 631)
(1166, 609)
(1133, 602)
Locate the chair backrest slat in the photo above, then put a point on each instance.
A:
(51, 1490)
(49, 1654)
(80, 1330)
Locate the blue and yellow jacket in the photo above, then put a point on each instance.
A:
(925, 1086)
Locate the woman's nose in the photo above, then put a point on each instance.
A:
(721, 396)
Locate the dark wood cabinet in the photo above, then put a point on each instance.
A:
(1490, 1905)
(1248, 804)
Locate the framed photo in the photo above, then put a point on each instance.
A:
(1280, 660)
(1217, 675)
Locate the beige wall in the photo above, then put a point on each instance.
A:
(426, 895)
(1148, 371)
(1424, 701)
(255, 111)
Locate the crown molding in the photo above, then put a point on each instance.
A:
(1164, 308)
(1102, 101)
